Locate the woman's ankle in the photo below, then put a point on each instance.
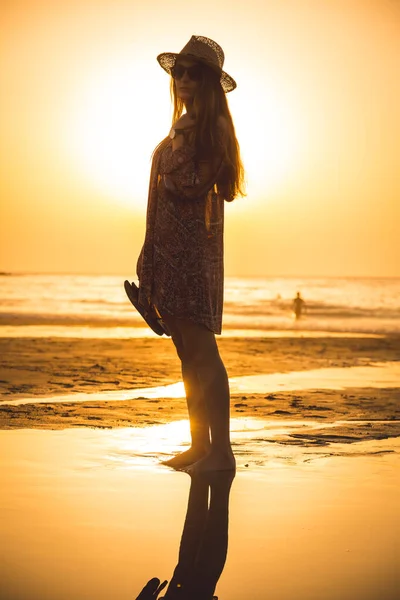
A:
(201, 445)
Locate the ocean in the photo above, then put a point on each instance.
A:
(96, 306)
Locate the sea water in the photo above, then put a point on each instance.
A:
(97, 306)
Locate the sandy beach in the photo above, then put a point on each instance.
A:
(44, 368)
(49, 366)
(89, 511)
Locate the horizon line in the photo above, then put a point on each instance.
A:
(4, 273)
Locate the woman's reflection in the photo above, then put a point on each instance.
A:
(204, 543)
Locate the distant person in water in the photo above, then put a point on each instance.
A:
(195, 169)
(298, 306)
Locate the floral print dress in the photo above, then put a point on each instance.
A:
(180, 267)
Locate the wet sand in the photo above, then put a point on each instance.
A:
(52, 366)
(43, 369)
(90, 514)
(357, 414)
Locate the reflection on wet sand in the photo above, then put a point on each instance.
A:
(204, 542)
(90, 514)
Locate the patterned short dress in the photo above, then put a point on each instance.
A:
(180, 267)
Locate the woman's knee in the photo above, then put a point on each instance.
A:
(177, 341)
(200, 349)
(194, 343)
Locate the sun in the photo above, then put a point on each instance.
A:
(116, 121)
(271, 132)
(122, 111)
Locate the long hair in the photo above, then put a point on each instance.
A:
(209, 105)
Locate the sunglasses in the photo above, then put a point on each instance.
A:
(195, 72)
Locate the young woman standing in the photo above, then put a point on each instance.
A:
(180, 268)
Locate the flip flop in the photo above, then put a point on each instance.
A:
(155, 323)
(152, 589)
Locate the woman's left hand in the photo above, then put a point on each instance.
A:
(169, 184)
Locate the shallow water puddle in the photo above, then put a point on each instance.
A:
(377, 375)
(256, 443)
(82, 517)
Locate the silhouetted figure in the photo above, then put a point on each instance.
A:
(204, 542)
(298, 305)
(195, 169)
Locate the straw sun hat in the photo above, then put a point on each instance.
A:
(204, 50)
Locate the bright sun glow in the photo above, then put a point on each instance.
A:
(114, 128)
(271, 133)
(122, 113)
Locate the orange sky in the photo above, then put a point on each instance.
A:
(316, 111)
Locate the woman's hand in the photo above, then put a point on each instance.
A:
(169, 184)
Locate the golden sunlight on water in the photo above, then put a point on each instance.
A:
(146, 446)
(80, 519)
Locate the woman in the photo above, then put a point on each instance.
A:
(180, 267)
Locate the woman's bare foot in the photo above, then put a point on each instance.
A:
(215, 460)
(184, 459)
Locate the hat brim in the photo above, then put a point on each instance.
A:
(167, 60)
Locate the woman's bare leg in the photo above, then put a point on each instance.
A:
(197, 409)
(199, 353)
(198, 418)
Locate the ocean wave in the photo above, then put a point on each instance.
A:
(98, 301)
(313, 309)
(337, 304)
(231, 321)
(24, 319)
